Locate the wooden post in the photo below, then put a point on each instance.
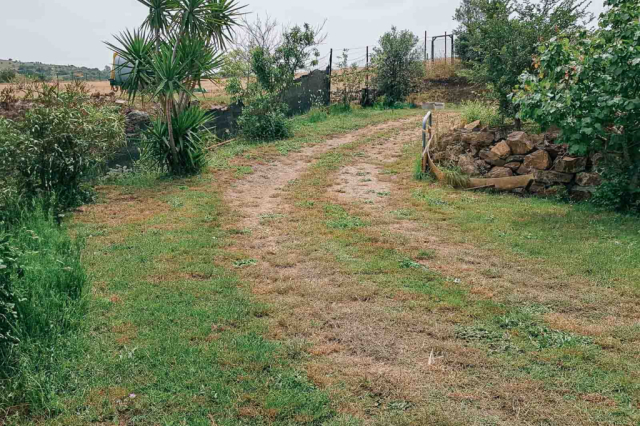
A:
(367, 72)
(330, 61)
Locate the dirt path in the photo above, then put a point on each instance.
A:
(358, 334)
(381, 337)
(258, 195)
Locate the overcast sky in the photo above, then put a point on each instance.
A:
(72, 31)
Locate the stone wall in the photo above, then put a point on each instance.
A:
(493, 153)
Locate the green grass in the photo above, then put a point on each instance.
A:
(309, 129)
(50, 301)
(173, 336)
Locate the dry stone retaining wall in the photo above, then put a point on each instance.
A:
(492, 153)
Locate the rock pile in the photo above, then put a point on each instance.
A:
(489, 153)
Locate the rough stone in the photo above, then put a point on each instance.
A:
(513, 166)
(515, 159)
(500, 172)
(492, 158)
(597, 159)
(467, 164)
(581, 193)
(568, 164)
(473, 127)
(478, 138)
(588, 179)
(483, 166)
(555, 150)
(539, 160)
(549, 177)
(543, 191)
(502, 150)
(537, 139)
(520, 143)
(136, 122)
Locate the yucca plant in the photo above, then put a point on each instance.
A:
(179, 44)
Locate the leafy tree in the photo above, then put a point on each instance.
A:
(500, 38)
(178, 46)
(397, 65)
(589, 86)
(272, 75)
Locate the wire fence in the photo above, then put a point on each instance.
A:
(433, 49)
(350, 67)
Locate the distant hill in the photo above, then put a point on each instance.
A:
(53, 72)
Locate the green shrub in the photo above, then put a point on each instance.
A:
(188, 134)
(56, 147)
(6, 76)
(397, 64)
(487, 114)
(42, 304)
(264, 119)
(499, 38)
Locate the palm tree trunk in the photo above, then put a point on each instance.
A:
(172, 142)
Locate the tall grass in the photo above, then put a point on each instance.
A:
(48, 290)
(487, 113)
(441, 69)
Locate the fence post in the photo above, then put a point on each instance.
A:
(453, 51)
(425, 47)
(433, 47)
(367, 72)
(445, 47)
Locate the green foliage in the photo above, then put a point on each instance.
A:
(188, 134)
(177, 47)
(456, 178)
(42, 304)
(264, 114)
(264, 119)
(487, 114)
(500, 38)
(587, 86)
(57, 146)
(317, 115)
(8, 316)
(397, 65)
(6, 76)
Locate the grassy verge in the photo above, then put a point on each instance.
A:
(48, 286)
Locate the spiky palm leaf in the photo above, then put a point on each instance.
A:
(136, 49)
(159, 18)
